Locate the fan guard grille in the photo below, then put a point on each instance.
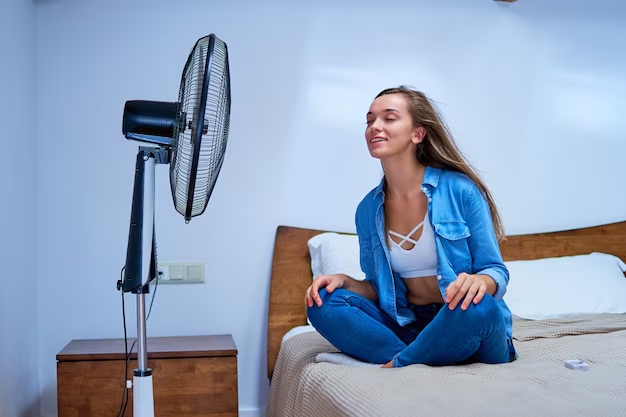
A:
(196, 144)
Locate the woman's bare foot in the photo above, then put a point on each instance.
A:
(388, 364)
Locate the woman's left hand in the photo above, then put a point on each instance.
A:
(469, 288)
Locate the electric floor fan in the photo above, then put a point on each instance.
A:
(190, 135)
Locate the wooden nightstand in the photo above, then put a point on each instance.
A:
(192, 376)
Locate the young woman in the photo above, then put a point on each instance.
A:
(428, 236)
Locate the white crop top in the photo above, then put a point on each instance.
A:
(421, 259)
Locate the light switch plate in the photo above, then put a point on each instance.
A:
(181, 272)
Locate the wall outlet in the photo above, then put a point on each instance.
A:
(181, 272)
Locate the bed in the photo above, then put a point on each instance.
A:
(537, 384)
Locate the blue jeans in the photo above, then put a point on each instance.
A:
(439, 336)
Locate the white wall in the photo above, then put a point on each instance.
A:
(533, 94)
(19, 341)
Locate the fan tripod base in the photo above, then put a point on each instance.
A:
(143, 394)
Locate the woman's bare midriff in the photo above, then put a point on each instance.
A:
(423, 291)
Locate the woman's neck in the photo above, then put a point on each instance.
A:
(403, 176)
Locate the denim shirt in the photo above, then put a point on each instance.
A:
(464, 236)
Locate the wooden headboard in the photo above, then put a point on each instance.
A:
(291, 267)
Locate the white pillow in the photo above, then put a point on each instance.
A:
(553, 287)
(538, 289)
(334, 253)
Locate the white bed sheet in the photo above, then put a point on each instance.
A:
(298, 330)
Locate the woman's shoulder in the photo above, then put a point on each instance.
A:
(367, 201)
(456, 182)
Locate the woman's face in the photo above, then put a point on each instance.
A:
(390, 129)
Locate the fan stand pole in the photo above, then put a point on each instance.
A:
(143, 390)
(140, 269)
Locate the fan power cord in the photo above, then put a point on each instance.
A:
(124, 402)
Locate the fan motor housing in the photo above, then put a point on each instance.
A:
(150, 121)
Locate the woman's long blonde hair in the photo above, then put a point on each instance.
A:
(438, 148)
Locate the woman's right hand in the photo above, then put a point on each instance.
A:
(331, 282)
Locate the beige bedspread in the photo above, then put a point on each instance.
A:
(536, 385)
